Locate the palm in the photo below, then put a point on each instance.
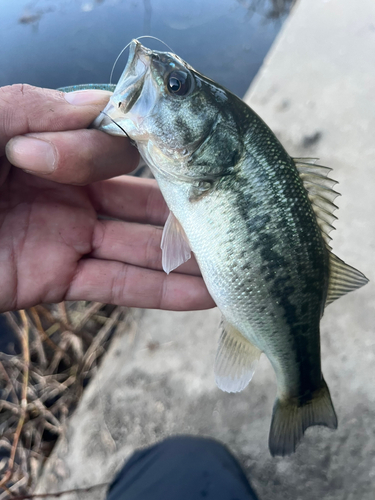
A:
(47, 228)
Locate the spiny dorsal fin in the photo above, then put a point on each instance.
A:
(342, 278)
(320, 192)
(174, 244)
(236, 359)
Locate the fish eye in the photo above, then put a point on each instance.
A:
(179, 82)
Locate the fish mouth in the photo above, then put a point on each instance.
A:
(107, 121)
(127, 91)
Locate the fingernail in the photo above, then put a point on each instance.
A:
(31, 154)
(82, 97)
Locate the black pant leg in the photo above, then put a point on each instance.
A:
(182, 468)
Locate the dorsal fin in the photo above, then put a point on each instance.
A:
(342, 278)
(320, 191)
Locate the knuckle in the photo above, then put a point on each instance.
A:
(155, 204)
(82, 177)
(14, 95)
(119, 286)
(15, 100)
(163, 293)
(76, 171)
(11, 92)
(152, 249)
(80, 160)
(25, 108)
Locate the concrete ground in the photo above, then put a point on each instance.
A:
(316, 90)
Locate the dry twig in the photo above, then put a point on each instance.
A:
(24, 338)
(60, 350)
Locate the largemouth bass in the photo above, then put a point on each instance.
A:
(256, 219)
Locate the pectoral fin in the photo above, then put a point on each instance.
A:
(236, 359)
(174, 244)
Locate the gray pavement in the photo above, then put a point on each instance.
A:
(316, 91)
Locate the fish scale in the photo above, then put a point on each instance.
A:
(253, 308)
(256, 220)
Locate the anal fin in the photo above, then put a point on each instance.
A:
(236, 359)
(174, 244)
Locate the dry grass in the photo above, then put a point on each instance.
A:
(61, 347)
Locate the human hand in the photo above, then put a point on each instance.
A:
(53, 187)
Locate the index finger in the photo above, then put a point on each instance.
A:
(25, 109)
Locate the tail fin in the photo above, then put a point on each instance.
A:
(291, 418)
